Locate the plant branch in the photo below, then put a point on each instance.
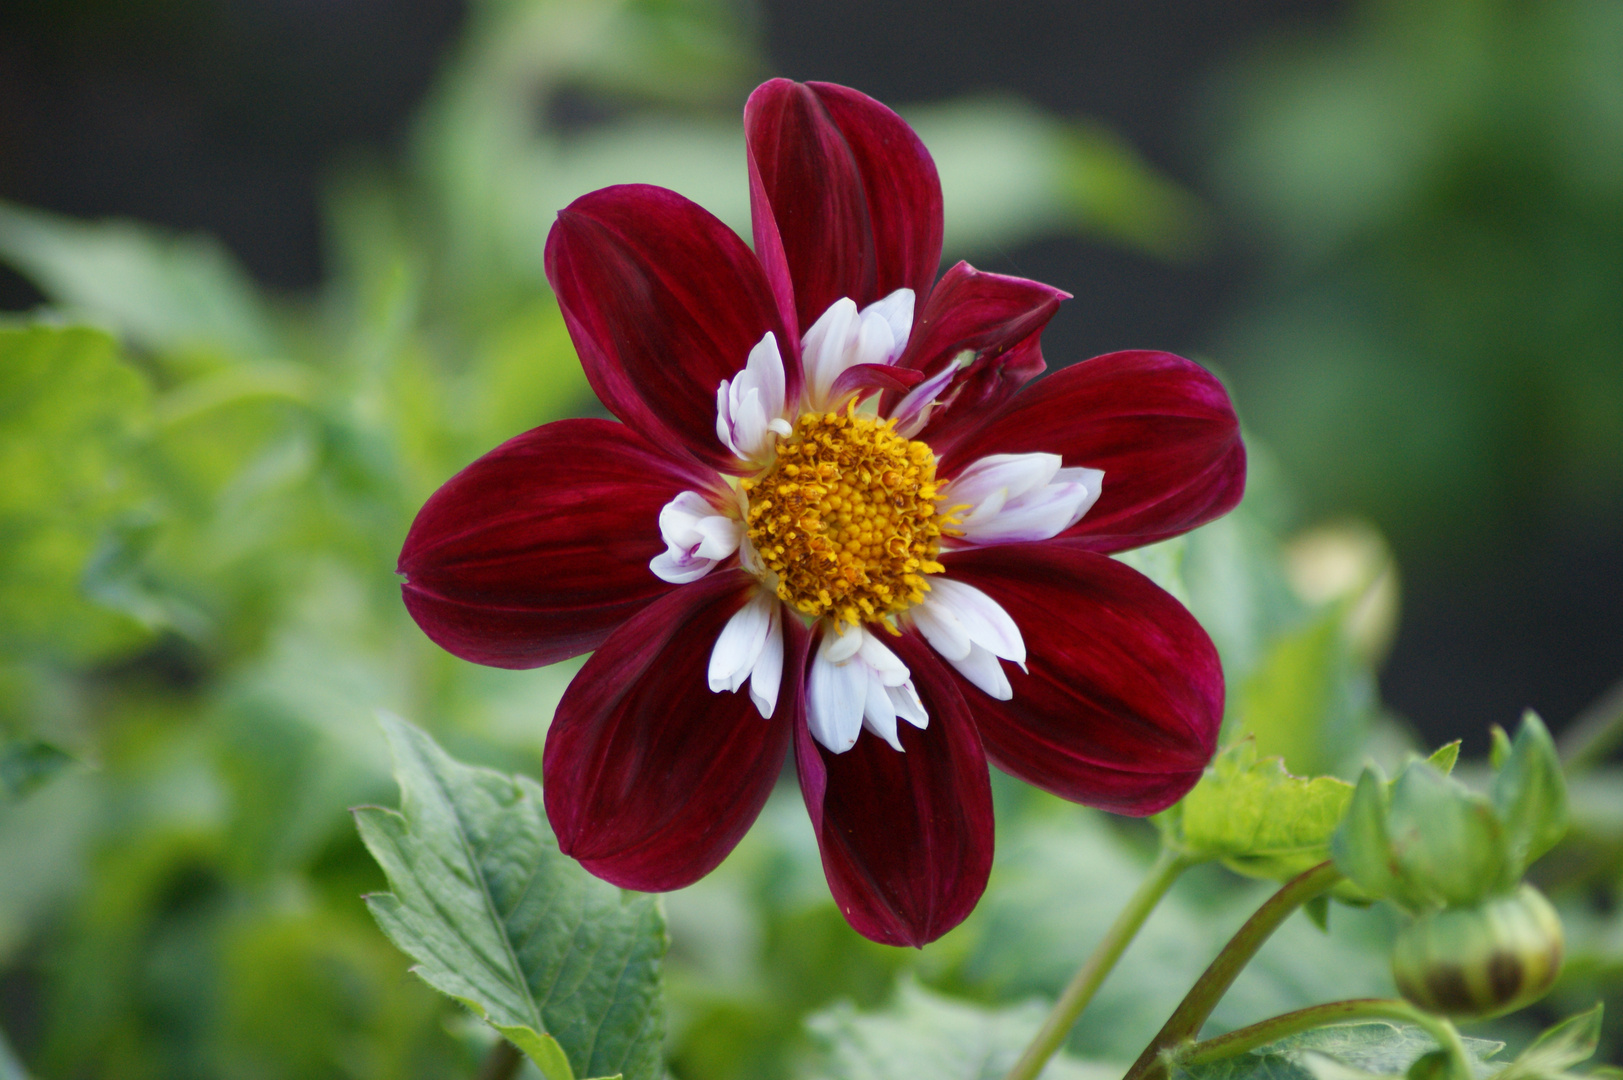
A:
(1264, 1032)
(1091, 975)
(1197, 1005)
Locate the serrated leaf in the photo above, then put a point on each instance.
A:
(923, 1034)
(1339, 1052)
(564, 965)
(158, 291)
(1257, 817)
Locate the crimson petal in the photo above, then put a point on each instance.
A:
(906, 838)
(663, 302)
(650, 777)
(1125, 693)
(539, 549)
(851, 191)
(1161, 428)
(982, 312)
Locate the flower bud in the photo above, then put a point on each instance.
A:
(1482, 960)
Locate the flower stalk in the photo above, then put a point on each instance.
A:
(1168, 866)
(1197, 1005)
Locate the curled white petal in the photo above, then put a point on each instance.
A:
(767, 676)
(857, 682)
(739, 644)
(973, 618)
(913, 411)
(836, 694)
(879, 713)
(982, 669)
(843, 337)
(750, 405)
(696, 538)
(1021, 497)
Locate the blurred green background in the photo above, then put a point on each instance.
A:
(275, 274)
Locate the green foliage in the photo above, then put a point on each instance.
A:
(925, 1034)
(1341, 1052)
(72, 414)
(166, 295)
(564, 965)
(27, 763)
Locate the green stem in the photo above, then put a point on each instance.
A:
(1197, 1005)
(502, 1063)
(1092, 973)
(1244, 1039)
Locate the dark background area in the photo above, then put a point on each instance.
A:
(224, 116)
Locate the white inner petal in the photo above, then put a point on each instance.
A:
(750, 406)
(767, 677)
(843, 337)
(696, 538)
(982, 669)
(857, 682)
(836, 695)
(740, 642)
(983, 619)
(1021, 497)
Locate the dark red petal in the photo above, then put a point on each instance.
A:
(1161, 428)
(539, 549)
(906, 838)
(984, 313)
(650, 777)
(663, 302)
(870, 377)
(852, 192)
(1125, 693)
(979, 391)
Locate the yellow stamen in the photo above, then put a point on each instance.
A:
(847, 519)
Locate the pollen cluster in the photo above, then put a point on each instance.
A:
(846, 518)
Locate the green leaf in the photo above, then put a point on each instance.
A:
(1299, 701)
(25, 764)
(1257, 817)
(1559, 1048)
(564, 965)
(161, 292)
(1338, 1052)
(923, 1034)
(1530, 794)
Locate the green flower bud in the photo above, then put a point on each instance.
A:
(1427, 841)
(1483, 960)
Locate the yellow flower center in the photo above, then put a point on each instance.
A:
(846, 518)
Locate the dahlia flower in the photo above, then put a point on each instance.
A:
(827, 522)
